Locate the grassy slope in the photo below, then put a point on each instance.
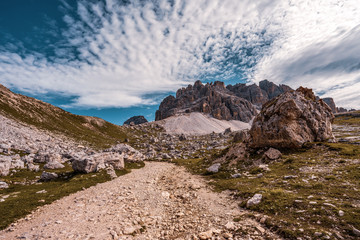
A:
(91, 131)
(325, 173)
(88, 130)
(25, 195)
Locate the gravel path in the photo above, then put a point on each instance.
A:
(159, 201)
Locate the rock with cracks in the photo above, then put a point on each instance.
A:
(98, 161)
(292, 119)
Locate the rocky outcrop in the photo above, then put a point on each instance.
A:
(136, 120)
(130, 154)
(213, 99)
(98, 161)
(292, 119)
(330, 102)
(258, 95)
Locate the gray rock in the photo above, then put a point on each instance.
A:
(111, 172)
(214, 168)
(3, 185)
(236, 175)
(130, 154)
(53, 165)
(17, 163)
(91, 163)
(255, 200)
(5, 165)
(33, 167)
(292, 119)
(272, 154)
(47, 176)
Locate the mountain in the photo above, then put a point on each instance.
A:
(258, 95)
(238, 102)
(90, 130)
(212, 98)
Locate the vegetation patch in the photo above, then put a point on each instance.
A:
(26, 193)
(303, 192)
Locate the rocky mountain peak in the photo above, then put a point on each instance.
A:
(212, 98)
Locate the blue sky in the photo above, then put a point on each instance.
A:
(115, 59)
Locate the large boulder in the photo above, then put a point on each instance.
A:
(292, 119)
(98, 161)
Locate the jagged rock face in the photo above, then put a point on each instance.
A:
(136, 120)
(330, 102)
(290, 120)
(213, 99)
(258, 95)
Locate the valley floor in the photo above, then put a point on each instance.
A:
(159, 201)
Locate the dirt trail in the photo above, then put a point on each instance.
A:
(159, 201)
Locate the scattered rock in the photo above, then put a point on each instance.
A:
(91, 163)
(5, 164)
(356, 232)
(111, 172)
(3, 185)
(33, 167)
(53, 165)
(255, 200)
(272, 154)
(129, 153)
(230, 226)
(214, 168)
(236, 175)
(241, 136)
(341, 213)
(47, 176)
(206, 235)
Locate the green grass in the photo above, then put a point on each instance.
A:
(348, 119)
(23, 198)
(94, 132)
(332, 177)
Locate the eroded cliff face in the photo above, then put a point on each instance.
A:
(292, 119)
(214, 99)
(258, 95)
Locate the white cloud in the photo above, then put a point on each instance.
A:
(318, 48)
(129, 51)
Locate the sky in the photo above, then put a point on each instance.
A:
(115, 59)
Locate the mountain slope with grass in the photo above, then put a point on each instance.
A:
(91, 131)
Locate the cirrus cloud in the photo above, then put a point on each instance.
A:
(114, 54)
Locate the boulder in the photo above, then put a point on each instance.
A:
(42, 157)
(292, 119)
(53, 165)
(17, 163)
(214, 168)
(3, 185)
(97, 161)
(272, 154)
(130, 154)
(241, 136)
(5, 165)
(255, 200)
(33, 167)
(48, 176)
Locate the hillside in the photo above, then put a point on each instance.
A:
(91, 131)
